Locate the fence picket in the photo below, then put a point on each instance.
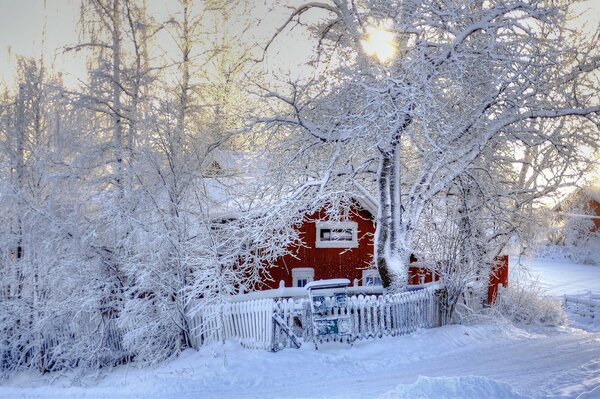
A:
(383, 328)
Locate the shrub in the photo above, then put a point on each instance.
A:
(525, 303)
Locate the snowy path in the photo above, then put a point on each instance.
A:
(546, 363)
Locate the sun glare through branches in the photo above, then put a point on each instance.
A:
(380, 43)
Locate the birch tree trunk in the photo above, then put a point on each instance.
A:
(117, 92)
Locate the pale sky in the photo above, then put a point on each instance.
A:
(21, 25)
(22, 21)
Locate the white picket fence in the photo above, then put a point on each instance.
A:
(251, 322)
(393, 314)
(586, 305)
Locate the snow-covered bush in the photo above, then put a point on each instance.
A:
(573, 241)
(584, 253)
(525, 303)
(151, 334)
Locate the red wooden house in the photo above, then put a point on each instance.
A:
(336, 249)
(332, 249)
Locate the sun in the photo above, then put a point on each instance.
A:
(380, 43)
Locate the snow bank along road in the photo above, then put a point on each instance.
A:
(547, 362)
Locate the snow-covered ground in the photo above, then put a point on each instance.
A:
(488, 360)
(545, 363)
(556, 277)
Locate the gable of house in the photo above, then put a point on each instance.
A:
(332, 249)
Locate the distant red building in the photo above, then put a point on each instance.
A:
(582, 203)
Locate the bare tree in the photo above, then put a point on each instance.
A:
(466, 76)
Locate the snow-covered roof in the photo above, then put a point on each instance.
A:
(230, 188)
(365, 199)
(579, 215)
(583, 193)
(232, 179)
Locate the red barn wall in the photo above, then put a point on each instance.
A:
(415, 273)
(327, 262)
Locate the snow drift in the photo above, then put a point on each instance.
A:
(453, 387)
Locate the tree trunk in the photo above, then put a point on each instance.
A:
(391, 257)
(116, 92)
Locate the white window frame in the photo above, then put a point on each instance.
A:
(370, 273)
(336, 244)
(298, 273)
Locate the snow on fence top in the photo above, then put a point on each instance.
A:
(301, 292)
(586, 305)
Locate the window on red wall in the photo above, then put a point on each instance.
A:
(302, 276)
(336, 235)
(370, 277)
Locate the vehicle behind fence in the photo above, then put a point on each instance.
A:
(252, 323)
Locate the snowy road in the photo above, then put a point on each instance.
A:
(547, 368)
(559, 363)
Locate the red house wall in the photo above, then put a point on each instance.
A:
(327, 262)
(498, 276)
(349, 262)
(414, 274)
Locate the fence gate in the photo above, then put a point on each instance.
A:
(327, 300)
